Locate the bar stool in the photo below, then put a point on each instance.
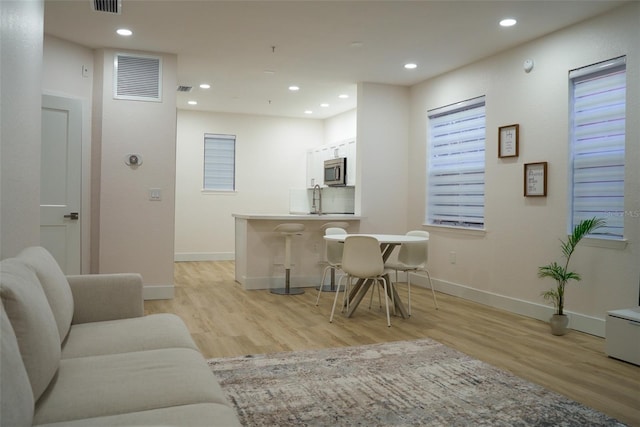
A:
(288, 230)
(331, 287)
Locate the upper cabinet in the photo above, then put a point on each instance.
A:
(351, 162)
(317, 156)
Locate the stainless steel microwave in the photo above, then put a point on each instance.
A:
(335, 171)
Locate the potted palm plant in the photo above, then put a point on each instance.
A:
(562, 275)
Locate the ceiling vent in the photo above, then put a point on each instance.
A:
(137, 78)
(109, 6)
(185, 88)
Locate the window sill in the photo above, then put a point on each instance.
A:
(605, 243)
(460, 231)
(219, 192)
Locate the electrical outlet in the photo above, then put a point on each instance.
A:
(452, 257)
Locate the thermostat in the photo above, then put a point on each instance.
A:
(133, 159)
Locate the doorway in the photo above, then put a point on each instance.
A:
(61, 181)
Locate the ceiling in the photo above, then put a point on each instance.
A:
(250, 52)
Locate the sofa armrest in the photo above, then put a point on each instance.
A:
(99, 297)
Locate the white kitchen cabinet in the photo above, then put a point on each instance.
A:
(351, 162)
(338, 150)
(315, 165)
(311, 173)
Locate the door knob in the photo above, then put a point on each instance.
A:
(72, 215)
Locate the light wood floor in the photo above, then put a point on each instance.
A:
(228, 321)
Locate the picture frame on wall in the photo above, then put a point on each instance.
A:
(535, 179)
(508, 140)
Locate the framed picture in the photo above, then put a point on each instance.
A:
(508, 141)
(535, 179)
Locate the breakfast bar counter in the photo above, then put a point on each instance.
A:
(259, 256)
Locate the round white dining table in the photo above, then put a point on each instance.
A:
(387, 243)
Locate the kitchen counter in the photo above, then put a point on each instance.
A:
(259, 257)
(301, 217)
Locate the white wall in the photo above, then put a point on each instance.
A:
(62, 76)
(137, 234)
(382, 156)
(270, 159)
(341, 127)
(21, 28)
(499, 267)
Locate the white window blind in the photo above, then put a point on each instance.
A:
(456, 164)
(598, 145)
(219, 162)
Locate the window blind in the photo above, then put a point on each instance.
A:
(456, 164)
(219, 162)
(598, 145)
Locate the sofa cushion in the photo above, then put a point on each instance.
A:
(100, 297)
(197, 415)
(54, 283)
(151, 332)
(16, 397)
(32, 321)
(101, 386)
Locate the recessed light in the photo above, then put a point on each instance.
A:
(324, 105)
(124, 32)
(308, 112)
(508, 22)
(205, 86)
(192, 102)
(294, 88)
(410, 66)
(343, 96)
(357, 44)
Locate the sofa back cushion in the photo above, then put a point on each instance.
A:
(55, 285)
(33, 323)
(16, 397)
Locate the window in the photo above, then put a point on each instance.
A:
(597, 130)
(456, 164)
(219, 162)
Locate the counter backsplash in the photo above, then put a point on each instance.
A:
(336, 200)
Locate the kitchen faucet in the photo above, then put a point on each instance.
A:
(316, 209)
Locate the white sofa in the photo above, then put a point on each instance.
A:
(78, 351)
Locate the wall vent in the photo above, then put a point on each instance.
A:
(137, 78)
(109, 6)
(185, 88)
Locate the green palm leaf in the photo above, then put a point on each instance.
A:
(561, 274)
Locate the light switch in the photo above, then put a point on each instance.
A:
(155, 194)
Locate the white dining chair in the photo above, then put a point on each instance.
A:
(333, 254)
(361, 259)
(412, 259)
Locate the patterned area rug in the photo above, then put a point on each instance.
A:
(406, 383)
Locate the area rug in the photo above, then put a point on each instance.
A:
(405, 383)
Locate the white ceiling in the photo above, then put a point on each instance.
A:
(230, 44)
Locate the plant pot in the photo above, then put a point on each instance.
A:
(558, 323)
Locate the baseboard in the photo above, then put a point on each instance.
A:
(203, 256)
(150, 292)
(579, 322)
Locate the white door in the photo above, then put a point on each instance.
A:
(60, 180)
